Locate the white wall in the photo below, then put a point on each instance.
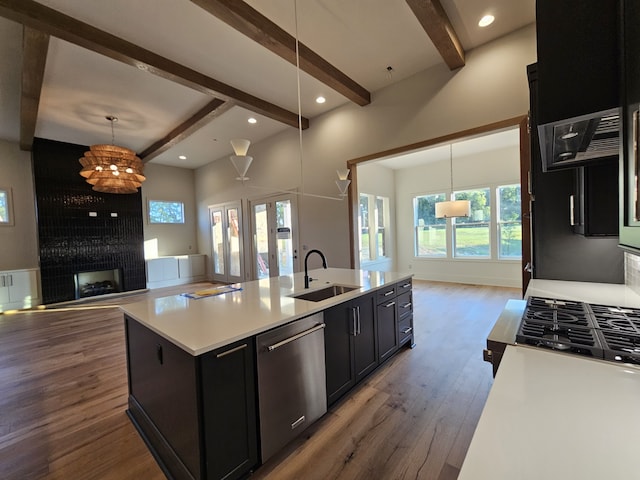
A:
(493, 168)
(171, 184)
(380, 181)
(491, 87)
(20, 240)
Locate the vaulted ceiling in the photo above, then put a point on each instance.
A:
(183, 77)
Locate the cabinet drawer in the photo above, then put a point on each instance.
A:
(405, 328)
(403, 286)
(405, 305)
(386, 293)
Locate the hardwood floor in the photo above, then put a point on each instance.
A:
(63, 395)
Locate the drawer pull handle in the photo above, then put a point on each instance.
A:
(390, 292)
(298, 422)
(160, 354)
(233, 350)
(406, 285)
(390, 304)
(407, 305)
(407, 330)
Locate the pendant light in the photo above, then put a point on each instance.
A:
(112, 169)
(241, 161)
(453, 208)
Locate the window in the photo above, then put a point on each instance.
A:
(471, 235)
(373, 218)
(166, 212)
(6, 214)
(430, 232)
(509, 221)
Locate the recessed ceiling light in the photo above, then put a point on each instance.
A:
(486, 21)
(252, 120)
(182, 157)
(321, 99)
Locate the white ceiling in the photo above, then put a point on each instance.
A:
(360, 37)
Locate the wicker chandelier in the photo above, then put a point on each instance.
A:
(112, 169)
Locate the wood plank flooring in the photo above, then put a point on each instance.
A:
(63, 394)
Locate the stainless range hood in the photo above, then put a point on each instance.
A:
(580, 140)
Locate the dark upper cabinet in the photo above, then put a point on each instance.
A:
(578, 60)
(629, 211)
(594, 203)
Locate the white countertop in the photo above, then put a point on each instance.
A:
(552, 416)
(202, 325)
(601, 293)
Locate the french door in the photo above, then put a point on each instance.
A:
(226, 236)
(274, 226)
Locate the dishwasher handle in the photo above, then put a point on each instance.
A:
(293, 338)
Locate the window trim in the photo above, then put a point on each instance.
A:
(149, 209)
(10, 221)
(374, 227)
(494, 237)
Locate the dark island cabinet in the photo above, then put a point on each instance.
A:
(387, 326)
(351, 350)
(197, 414)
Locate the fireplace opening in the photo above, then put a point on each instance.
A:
(99, 282)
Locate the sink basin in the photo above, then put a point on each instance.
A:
(324, 293)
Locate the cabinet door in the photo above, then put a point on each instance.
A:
(365, 345)
(162, 379)
(4, 291)
(23, 287)
(338, 346)
(387, 328)
(229, 410)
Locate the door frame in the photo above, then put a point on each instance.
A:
(520, 121)
(295, 234)
(225, 207)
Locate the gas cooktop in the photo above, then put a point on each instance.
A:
(598, 331)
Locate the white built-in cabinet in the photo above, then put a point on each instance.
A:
(19, 289)
(176, 270)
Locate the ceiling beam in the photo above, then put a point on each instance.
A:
(57, 24)
(259, 28)
(35, 46)
(213, 109)
(435, 22)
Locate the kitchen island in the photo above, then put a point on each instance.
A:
(192, 362)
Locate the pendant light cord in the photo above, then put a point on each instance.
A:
(295, 12)
(451, 168)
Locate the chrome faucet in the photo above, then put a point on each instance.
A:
(306, 274)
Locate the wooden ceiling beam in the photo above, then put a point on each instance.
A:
(259, 28)
(213, 109)
(436, 23)
(57, 24)
(35, 45)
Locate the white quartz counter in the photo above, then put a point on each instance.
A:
(204, 324)
(556, 416)
(601, 293)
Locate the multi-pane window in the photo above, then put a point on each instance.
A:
(509, 221)
(471, 235)
(492, 230)
(166, 212)
(5, 207)
(430, 232)
(373, 217)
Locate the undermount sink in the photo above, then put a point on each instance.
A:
(324, 293)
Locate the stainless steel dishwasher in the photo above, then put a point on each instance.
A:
(291, 381)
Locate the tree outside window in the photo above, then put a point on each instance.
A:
(471, 235)
(430, 232)
(509, 221)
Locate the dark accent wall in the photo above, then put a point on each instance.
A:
(72, 241)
